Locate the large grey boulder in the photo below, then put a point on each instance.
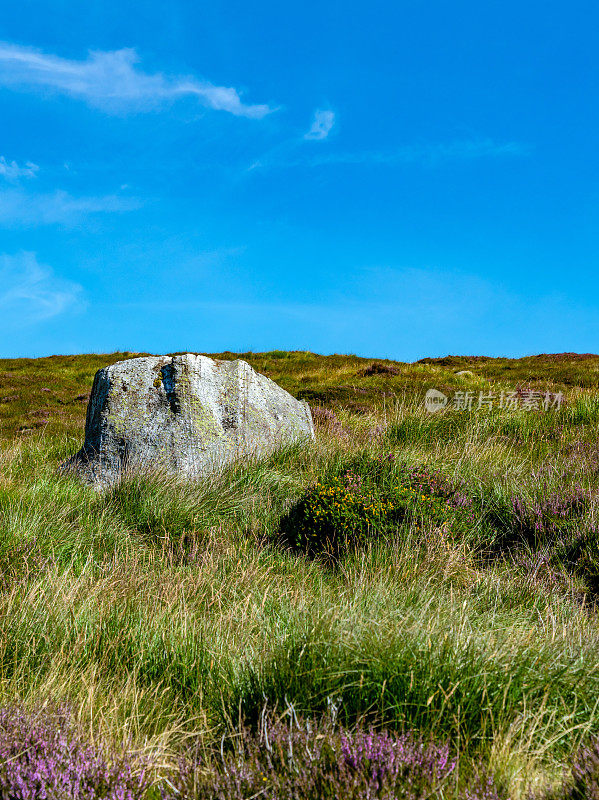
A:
(187, 415)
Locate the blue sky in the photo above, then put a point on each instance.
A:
(393, 179)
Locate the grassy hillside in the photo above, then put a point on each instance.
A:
(409, 605)
(52, 393)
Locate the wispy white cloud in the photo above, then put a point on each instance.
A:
(113, 81)
(18, 207)
(322, 124)
(32, 292)
(11, 171)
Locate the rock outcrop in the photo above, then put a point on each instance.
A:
(187, 415)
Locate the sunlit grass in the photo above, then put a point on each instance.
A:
(162, 610)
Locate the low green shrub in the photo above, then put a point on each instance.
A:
(333, 515)
(367, 498)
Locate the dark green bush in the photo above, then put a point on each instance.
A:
(367, 498)
(333, 515)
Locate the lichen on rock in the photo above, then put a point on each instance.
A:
(187, 415)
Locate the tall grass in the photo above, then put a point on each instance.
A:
(164, 611)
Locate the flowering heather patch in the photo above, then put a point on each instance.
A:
(327, 418)
(585, 773)
(43, 756)
(483, 788)
(546, 515)
(551, 519)
(434, 484)
(583, 781)
(376, 368)
(292, 759)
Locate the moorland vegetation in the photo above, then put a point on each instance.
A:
(406, 608)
